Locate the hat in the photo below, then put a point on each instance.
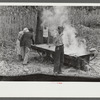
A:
(61, 27)
(30, 29)
(25, 30)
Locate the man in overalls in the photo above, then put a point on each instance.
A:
(59, 51)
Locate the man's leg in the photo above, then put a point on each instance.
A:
(61, 58)
(18, 49)
(27, 52)
(23, 52)
(20, 57)
(56, 60)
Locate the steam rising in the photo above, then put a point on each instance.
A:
(58, 16)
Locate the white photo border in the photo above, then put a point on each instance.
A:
(49, 89)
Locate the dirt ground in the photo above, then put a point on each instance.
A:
(13, 67)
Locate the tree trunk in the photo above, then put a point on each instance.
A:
(39, 30)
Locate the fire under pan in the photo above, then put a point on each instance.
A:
(78, 62)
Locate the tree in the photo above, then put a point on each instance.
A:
(39, 30)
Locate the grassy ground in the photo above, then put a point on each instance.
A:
(10, 66)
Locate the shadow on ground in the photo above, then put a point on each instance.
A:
(45, 78)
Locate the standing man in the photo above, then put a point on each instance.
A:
(25, 43)
(45, 35)
(59, 52)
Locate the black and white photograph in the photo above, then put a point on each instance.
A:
(50, 43)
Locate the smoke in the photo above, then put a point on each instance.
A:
(54, 17)
(58, 16)
(73, 45)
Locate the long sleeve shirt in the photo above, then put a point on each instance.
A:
(58, 40)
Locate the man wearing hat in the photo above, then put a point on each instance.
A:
(25, 43)
(59, 51)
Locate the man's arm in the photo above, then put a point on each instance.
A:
(56, 39)
(53, 44)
